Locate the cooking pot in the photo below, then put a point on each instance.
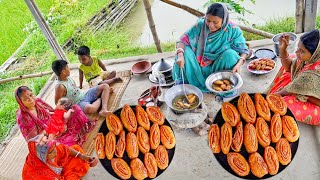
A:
(177, 90)
(292, 42)
(163, 67)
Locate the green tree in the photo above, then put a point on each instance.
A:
(235, 7)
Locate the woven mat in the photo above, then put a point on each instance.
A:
(113, 104)
(13, 157)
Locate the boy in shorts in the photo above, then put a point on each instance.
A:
(91, 67)
(89, 101)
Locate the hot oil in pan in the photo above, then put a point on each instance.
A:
(180, 102)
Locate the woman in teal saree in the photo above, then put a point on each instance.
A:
(212, 45)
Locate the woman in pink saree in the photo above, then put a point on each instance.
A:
(33, 116)
(298, 80)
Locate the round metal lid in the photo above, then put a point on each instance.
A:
(265, 53)
(162, 66)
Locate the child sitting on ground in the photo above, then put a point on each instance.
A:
(59, 118)
(91, 69)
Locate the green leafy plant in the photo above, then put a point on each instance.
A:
(235, 7)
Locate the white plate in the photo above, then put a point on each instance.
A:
(154, 80)
(259, 71)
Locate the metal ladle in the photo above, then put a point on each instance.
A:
(184, 88)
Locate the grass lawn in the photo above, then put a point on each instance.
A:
(12, 34)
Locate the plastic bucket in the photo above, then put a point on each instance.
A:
(292, 44)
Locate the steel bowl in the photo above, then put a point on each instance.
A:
(235, 78)
(177, 91)
(292, 43)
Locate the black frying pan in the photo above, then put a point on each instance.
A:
(106, 163)
(222, 158)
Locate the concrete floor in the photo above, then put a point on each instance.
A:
(193, 158)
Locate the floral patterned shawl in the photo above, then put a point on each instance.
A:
(31, 125)
(306, 74)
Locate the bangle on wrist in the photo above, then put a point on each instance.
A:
(243, 59)
(78, 154)
(179, 50)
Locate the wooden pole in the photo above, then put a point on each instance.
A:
(184, 7)
(299, 16)
(310, 15)
(152, 26)
(255, 31)
(200, 14)
(25, 76)
(46, 30)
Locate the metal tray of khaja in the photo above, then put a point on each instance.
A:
(222, 158)
(106, 163)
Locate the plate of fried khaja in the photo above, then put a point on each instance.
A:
(135, 143)
(254, 136)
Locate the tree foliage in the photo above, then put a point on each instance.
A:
(235, 6)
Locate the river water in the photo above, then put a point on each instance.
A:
(172, 22)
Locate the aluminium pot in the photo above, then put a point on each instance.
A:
(163, 67)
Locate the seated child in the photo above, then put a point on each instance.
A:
(91, 69)
(58, 124)
(89, 100)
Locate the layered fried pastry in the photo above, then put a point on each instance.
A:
(121, 144)
(226, 137)
(113, 123)
(263, 64)
(290, 129)
(262, 107)
(258, 167)
(154, 136)
(271, 159)
(214, 138)
(142, 118)
(167, 137)
(230, 113)
(238, 163)
(237, 139)
(110, 145)
(263, 132)
(250, 138)
(162, 157)
(246, 108)
(132, 145)
(128, 118)
(137, 168)
(277, 104)
(151, 165)
(155, 115)
(275, 128)
(100, 146)
(143, 140)
(121, 168)
(283, 150)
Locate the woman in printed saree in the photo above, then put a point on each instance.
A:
(33, 117)
(298, 80)
(48, 160)
(212, 45)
